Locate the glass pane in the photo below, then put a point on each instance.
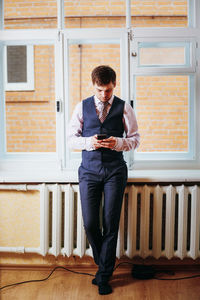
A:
(16, 64)
(164, 54)
(83, 58)
(162, 104)
(165, 13)
(23, 14)
(101, 13)
(30, 115)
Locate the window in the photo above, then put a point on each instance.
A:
(47, 51)
(28, 116)
(19, 73)
(163, 84)
(164, 54)
(81, 56)
(164, 111)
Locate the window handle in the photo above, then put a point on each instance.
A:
(58, 105)
(134, 54)
(132, 103)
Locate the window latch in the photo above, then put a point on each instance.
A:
(58, 105)
(134, 53)
(132, 103)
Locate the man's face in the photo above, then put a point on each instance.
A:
(104, 92)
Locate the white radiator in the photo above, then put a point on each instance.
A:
(156, 220)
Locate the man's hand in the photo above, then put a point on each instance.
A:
(109, 143)
(105, 143)
(95, 142)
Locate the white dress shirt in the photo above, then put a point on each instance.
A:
(129, 141)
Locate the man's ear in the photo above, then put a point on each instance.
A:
(114, 84)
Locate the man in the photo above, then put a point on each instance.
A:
(103, 168)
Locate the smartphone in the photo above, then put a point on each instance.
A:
(101, 136)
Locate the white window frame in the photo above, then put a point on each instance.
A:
(189, 53)
(36, 160)
(176, 155)
(161, 35)
(190, 70)
(29, 84)
(52, 167)
(175, 40)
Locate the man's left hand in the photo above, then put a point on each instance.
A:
(109, 142)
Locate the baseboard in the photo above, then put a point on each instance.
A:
(35, 261)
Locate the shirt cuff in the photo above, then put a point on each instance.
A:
(88, 144)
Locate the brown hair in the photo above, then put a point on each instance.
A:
(103, 75)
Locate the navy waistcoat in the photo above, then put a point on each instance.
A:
(112, 126)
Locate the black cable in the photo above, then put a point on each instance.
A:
(179, 278)
(46, 278)
(123, 263)
(83, 273)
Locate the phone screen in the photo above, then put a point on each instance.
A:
(101, 136)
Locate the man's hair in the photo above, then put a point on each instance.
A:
(103, 75)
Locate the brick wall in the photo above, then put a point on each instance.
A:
(25, 8)
(112, 7)
(159, 7)
(162, 111)
(82, 61)
(48, 8)
(101, 13)
(30, 115)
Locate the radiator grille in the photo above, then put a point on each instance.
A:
(155, 221)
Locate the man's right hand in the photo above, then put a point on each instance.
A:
(96, 144)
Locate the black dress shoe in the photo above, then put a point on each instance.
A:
(104, 289)
(94, 281)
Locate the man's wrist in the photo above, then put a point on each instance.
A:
(116, 143)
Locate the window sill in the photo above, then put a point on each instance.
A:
(72, 176)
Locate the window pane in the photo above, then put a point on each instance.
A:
(21, 14)
(30, 115)
(155, 13)
(83, 58)
(162, 104)
(16, 64)
(164, 54)
(101, 13)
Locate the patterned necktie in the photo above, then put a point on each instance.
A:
(103, 111)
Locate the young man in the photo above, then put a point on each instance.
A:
(103, 169)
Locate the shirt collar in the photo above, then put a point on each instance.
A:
(97, 101)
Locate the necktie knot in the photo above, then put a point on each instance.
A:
(104, 104)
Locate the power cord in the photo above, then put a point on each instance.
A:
(46, 278)
(138, 271)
